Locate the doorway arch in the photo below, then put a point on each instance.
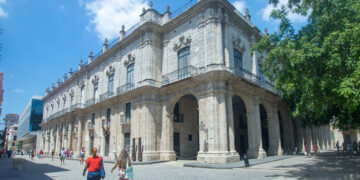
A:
(240, 125)
(186, 127)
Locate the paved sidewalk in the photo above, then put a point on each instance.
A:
(239, 164)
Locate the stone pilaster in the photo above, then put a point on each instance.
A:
(230, 121)
(149, 110)
(57, 144)
(167, 133)
(300, 136)
(308, 136)
(254, 130)
(79, 138)
(68, 145)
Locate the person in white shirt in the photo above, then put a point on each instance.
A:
(62, 156)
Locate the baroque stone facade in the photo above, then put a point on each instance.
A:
(187, 86)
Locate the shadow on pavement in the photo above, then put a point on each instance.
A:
(31, 170)
(328, 165)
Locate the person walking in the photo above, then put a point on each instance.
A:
(124, 165)
(82, 155)
(338, 147)
(52, 154)
(32, 155)
(315, 148)
(62, 156)
(93, 165)
(355, 147)
(40, 153)
(307, 149)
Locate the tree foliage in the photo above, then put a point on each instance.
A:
(317, 69)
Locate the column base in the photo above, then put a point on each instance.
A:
(217, 157)
(150, 155)
(168, 155)
(275, 151)
(256, 153)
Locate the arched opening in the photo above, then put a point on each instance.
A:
(186, 127)
(281, 125)
(240, 125)
(264, 128)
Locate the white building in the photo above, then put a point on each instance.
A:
(11, 137)
(181, 85)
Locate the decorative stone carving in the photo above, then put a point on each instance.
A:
(238, 45)
(52, 105)
(182, 43)
(82, 83)
(71, 93)
(111, 71)
(64, 97)
(58, 101)
(95, 79)
(130, 60)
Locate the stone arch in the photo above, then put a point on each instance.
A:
(240, 125)
(185, 120)
(289, 129)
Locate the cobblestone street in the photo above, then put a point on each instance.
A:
(324, 166)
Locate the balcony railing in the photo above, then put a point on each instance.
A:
(90, 102)
(74, 107)
(125, 88)
(179, 74)
(106, 96)
(247, 75)
(123, 119)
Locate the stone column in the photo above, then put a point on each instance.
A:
(69, 142)
(79, 138)
(230, 121)
(63, 137)
(308, 138)
(300, 136)
(254, 130)
(57, 144)
(274, 133)
(213, 124)
(167, 133)
(321, 137)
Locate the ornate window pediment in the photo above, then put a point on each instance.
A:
(71, 93)
(95, 79)
(238, 45)
(82, 83)
(182, 43)
(52, 105)
(58, 101)
(130, 60)
(64, 97)
(110, 71)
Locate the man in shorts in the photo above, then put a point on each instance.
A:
(82, 155)
(62, 156)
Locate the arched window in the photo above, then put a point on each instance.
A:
(183, 62)
(237, 59)
(130, 74)
(82, 97)
(111, 83)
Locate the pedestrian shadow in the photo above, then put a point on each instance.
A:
(31, 170)
(329, 165)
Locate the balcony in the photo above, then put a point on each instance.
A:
(106, 96)
(74, 107)
(125, 88)
(124, 120)
(90, 102)
(247, 75)
(179, 74)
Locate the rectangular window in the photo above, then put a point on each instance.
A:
(108, 116)
(177, 116)
(93, 120)
(95, 90)
(128, 112)
(111, 84)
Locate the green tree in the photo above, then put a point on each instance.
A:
(317, 69)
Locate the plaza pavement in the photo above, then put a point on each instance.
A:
(329, 165)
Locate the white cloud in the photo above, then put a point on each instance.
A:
(109, 15)
(295, 18)
(18, 91)
(3, 13)
(240, 6)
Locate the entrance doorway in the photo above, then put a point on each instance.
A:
(127, 142)
(264, 128)
(281, 125)
(186, 127)
(240, 125)
(107, 142)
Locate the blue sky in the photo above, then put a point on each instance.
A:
(43, 39)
